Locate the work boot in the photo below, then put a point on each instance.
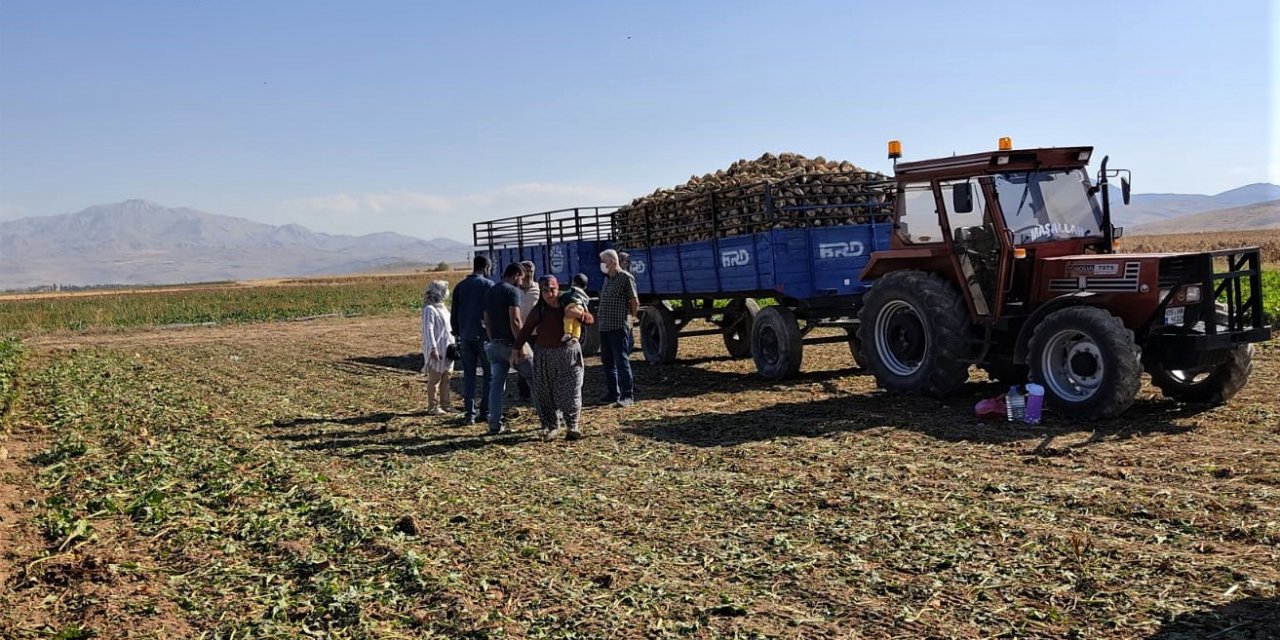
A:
(574, 434)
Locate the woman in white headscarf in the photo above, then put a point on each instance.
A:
(436, 339)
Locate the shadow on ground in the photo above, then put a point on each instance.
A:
(949, 419)
(1248, 619)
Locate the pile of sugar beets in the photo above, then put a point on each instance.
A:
(801, 192)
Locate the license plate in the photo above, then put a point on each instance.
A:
(1174, 315)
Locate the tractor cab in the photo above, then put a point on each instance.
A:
(991, 214)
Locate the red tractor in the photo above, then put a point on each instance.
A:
(1007, 260)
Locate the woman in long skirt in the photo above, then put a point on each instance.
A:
(557, 365)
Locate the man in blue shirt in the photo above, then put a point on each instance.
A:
(467, 321)
(502, 318)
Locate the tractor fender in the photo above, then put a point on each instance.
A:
(1028, 327)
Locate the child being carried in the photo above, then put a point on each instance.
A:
(574, 296)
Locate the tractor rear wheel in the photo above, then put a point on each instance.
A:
(659, 337)
(776, 343)
(1214, 384)
(1087, 361)
(913, 332)
(738, 318)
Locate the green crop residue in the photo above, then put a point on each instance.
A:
(10, 363)
(250, 544)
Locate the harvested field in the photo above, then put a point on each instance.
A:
(279, 479)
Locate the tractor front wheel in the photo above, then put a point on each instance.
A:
(1087, 361)
(1214, 384)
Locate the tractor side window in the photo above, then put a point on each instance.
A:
(919, 220)
(976, 217)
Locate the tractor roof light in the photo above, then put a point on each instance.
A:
(1002, 159)
(895, 149)
(1006, 144)
(1084, 155)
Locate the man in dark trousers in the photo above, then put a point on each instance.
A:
(466, 318)
(502, 319)
(618, 305)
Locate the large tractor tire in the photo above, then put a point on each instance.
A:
(1214, 384)
(739, 316)
(913, 332)
(659, 338)
(776, 344)
(1087, 361)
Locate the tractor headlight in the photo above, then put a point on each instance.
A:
(1193, 293)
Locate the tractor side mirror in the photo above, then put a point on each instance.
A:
(962, 198)
(1124, 190)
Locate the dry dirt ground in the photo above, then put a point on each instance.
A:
(721, 505)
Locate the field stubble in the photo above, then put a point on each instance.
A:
(274, 479)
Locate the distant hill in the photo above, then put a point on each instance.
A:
(1264, 215)
(1147, 208)
(141, 242)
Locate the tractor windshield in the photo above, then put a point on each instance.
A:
(1042, 206)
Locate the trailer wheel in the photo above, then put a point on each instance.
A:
(658, 335)
(855, 346)
(590, 342)
(913, 329)
(1087, 361)
(776, 344)
(1214, 384)
(738, 319)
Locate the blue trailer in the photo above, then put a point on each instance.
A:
(802, 250)
(562, 243)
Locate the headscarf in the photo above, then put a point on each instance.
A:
(436, 292)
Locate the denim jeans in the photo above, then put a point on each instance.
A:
(472, 353)
(499, 354)
(615, 355)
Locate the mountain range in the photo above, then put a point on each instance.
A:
(1146, 208)
(141, 242)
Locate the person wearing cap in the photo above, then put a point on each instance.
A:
(529, 297)
(557, 365)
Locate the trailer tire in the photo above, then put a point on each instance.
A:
(659, 338)
(776, 344)
(913, 326)
(855, 346)
(1087, 361)
(590, 342)
(738, 319)
(1215, 384)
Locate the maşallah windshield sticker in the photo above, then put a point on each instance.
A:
(1051, 229)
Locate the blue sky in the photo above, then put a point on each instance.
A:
(423, 117)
